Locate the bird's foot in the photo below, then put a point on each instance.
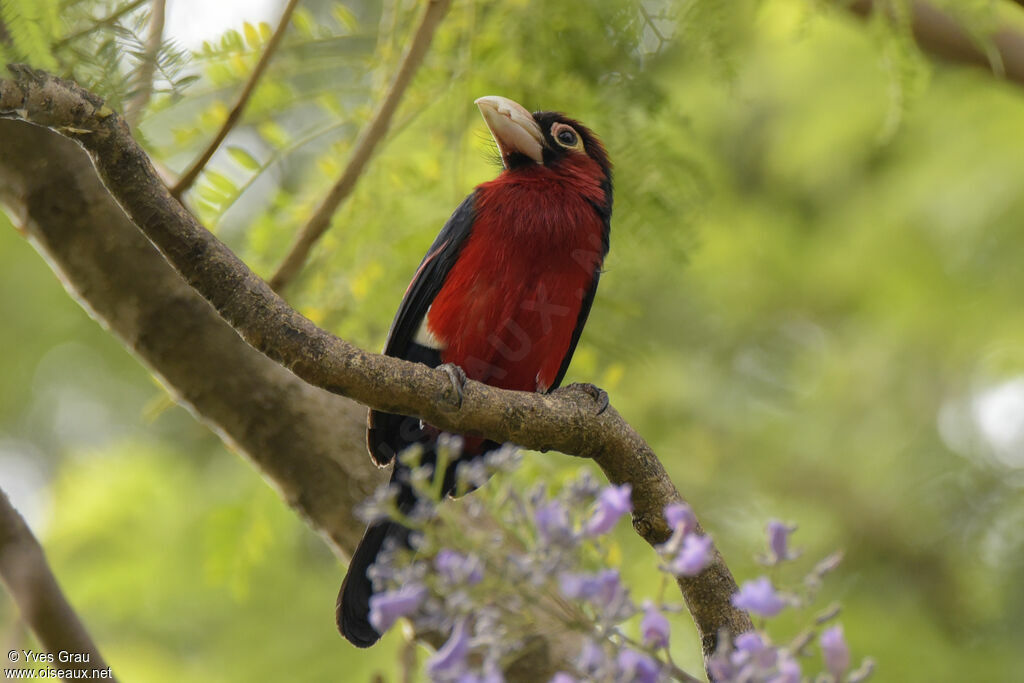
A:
(599, 395)
(458, 378)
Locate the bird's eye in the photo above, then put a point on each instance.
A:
(566, 137)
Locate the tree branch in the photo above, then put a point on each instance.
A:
(308, 443)
(235, 115)
(564, 421)
(364, 148)
(29, 580)
(147, 69)
(941, 36)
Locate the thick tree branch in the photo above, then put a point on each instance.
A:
(364, 148)
(942, 36)
(143, 84)
(27, 576)
(564, 421)
(235, 115)
(308, 443)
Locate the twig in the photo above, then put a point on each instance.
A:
(408, 661)
(235, 115)
(941, 36)
(364, 148)
(105, 21)
(43, 607)
(143, 85)
(565, 420)
(274, 158)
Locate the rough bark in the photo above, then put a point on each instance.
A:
(565, 421)
(27, 576)
(307, 441)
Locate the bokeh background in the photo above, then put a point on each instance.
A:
(812, 310)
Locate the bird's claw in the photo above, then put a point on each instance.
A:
(458, 378)
(599, 395)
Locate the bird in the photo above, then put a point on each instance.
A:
(501, 297)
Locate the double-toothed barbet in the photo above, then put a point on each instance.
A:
(502, 296)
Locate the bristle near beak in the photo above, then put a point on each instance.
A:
(512, 127)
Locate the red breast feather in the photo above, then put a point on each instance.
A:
(508, 308)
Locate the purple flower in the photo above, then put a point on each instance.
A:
(654, 627)
(387, 607)
(778, 541)
(693, 556)
(759, 596)
(611, 505)
(577, 586)
(788, 671)
(562, 677)
(680, 518)
(751, 647)
(492, 676)
(552, 520)
(637, 667)
(451, 658)
(749, 642)
(835, 651)
(604, 590)
(720, 667)
(600, 588)
(457, 568)
(591, 659)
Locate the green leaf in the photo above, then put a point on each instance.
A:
(303, 22)
(252, 35)
(343, 15)
(221, 182)
(244, 159)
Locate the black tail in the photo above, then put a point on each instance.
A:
(353, 607)
(353, 610)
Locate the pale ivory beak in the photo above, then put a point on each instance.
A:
(512, 128)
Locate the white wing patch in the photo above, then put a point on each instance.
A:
(424, 337)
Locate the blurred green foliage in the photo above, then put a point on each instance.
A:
(811, 310)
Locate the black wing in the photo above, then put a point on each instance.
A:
(387, 433)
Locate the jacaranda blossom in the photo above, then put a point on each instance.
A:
(788, 671)
(693, 556)
(778, 541)
(835, 651)
(552, 520)
(612, 504)
(388, 607)
(451, 658)
(637, 667)
(759, 596)
(654, 627)
(457, 568)
(680, 518)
